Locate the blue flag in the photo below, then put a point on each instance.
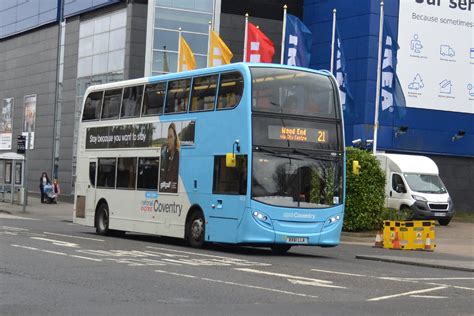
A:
(392, 97)
(347, 100)
(298, 40)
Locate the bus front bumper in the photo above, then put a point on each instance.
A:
(262, 230)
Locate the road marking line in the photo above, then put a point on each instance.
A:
(14, 228)
(78, 237)
(238, 284)
(312, 283)
(341, 273)
(87, 258)
(462, 288)
(282, 275)
(25, 247)
(434, 279)
(178, 274)
(204, 255)
(9, 233)
(58, 242)
(55, 252)
(294, 279)
(453, 286)
(407, 293)
(428, 296)
(10, 216)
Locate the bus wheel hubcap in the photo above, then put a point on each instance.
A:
(197, 229)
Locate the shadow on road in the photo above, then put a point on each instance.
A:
(214, 247)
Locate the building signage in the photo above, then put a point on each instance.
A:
(436, 57)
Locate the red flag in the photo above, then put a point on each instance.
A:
(259, 47)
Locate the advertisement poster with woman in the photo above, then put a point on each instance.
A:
(170, 151)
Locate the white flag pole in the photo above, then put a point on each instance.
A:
(245, 36)
(209, 45)
(333, 40)
(377, 91)
(283, 35)
(179, 48)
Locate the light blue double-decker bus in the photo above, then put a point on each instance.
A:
(249, 154)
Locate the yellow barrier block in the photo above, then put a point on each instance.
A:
(409, 235)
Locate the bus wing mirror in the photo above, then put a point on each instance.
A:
(230, 161)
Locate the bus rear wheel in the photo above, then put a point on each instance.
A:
(102, 220)
(196, 230)
(280, 249)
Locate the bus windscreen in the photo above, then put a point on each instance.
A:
(292, 92)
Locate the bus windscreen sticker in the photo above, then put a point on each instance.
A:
(138, 135)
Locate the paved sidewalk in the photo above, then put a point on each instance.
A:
(454, 243)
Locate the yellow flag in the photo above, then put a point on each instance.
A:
(186, 59)
(219, 53)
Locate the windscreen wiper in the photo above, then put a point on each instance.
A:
(297, 151)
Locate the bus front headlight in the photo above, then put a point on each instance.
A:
(262, 218)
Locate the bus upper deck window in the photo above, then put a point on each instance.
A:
(154, 98)
(92, 106)
(131, 101)
(204, 93)
(178, 96)
(111, 107)
(231, 87)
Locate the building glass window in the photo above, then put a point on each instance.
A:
(193, 17)
(102, 44)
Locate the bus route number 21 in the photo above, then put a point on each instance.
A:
(322, 136)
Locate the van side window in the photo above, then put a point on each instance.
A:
(397, 181)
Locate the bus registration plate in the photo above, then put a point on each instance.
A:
(297, 240)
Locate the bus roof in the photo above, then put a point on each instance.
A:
(241, 66)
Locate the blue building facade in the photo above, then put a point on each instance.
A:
(425, 131)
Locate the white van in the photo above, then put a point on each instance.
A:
(413, 183)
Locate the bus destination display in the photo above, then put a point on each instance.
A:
(298, 134)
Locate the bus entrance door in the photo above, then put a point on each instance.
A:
(226, 210)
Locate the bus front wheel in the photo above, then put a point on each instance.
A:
(196, 230)
(102, 220)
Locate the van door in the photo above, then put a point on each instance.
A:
(91, 187)
(397, 191)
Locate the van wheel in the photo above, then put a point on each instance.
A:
(444, 222)
(195, 230)
(102, 220)
(280, 249)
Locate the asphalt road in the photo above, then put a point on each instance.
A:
(53, 267)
